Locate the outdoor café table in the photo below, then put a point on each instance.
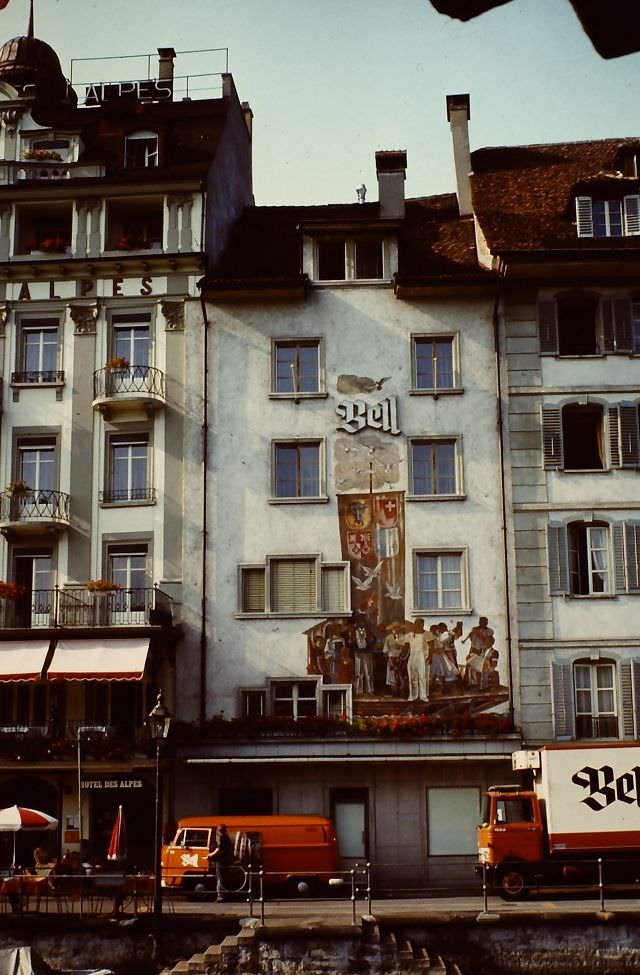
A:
(19, 889)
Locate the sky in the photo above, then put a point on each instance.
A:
(330, 82)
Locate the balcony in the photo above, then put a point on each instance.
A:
(59, 741)
(130, 386)
(78, 607)
(34, 511)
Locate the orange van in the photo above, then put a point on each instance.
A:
(300, 851)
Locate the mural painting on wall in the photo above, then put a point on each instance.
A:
(394, 665)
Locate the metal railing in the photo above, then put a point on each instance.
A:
(73, 607)
(130, 381)
(35, 506)
(33, 377)
(124, 495)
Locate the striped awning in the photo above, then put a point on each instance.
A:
(122, 659)
(22, 660)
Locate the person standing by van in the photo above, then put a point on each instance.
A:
(222, 856)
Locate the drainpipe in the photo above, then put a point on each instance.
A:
(205, 527)
(503, 488)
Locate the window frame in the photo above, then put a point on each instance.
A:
(142, 136)
(455, 440)
(266, 568)
(114, 439)
(297, 342)
(456, 372)
(296, 444)
(296, 697)
(350, 242)
(630, 207)
(119, 321)
(442, 552)
(45, 323)
(594, 714)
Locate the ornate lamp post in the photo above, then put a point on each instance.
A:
(159, 721)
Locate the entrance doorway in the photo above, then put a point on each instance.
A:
(138, 807)
(350, 815)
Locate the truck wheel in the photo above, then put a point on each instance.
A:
(512, 883)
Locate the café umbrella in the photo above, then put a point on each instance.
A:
(118, 842)
(15, 819)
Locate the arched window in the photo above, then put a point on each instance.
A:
(141, 150)
(595, 699)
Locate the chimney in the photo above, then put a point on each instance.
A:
(391, 168)
(458, 114)
(165, 63)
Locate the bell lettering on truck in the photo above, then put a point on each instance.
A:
(300, 851)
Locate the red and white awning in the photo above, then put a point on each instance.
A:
(122, 659)
(20, 661)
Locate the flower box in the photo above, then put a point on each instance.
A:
(103, 585)
(42, 155)
(116, 362)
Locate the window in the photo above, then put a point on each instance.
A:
(33, 572)
(434, 363)
(636, 328)
(130, 339)
(573, 437)
(122, 705)
(141, 150)
(25, 706)
(294, 699)
(128, 469)
(295, 585)
(452, 818)
(434, 468)
(128, 566)
(43, 228)
(38, 352)
(608, 218)
(253, 703)
(439, 582)
(581, 324)
(296, 367)
(37, 464)
(338, 259)
(595, 700)
(588, 559)
(336, 702)
(135, 225)
(297, 470)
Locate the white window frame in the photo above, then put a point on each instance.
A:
(462, 554)
(345, 691)
(630, 206)
(317, 610)
(456, 441)
(594, 713)
(260, 694)
(350, 241)
(435, 391)
(150, 154)
(45, 323)
(132, 439)
(295, 698)
(586, 530)
(298, 498)
(296, 341)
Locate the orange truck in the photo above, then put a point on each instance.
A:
(298, 851)
(583, 806)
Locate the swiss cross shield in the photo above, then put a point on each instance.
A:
(386, 511)
(358, 544)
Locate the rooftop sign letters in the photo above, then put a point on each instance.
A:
(146, 91)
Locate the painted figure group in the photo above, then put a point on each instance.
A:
(409, 661)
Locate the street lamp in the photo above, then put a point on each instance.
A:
(159, 721)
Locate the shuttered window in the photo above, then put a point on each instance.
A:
(624, 435)
(293, 587)
(579, 558)
(552, 437)
(562, 700)
(608, 218)
(584, 221)
(615, 315)
(595, 700)
(632, 215)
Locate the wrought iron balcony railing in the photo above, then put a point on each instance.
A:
(129, 382)
(39, 507)
(78, 607)
(33, 377)
(127, 495)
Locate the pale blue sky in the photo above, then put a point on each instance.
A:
(332, 81)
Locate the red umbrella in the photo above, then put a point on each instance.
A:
(118, 841)
(13, 819)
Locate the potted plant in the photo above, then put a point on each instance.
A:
(103, 585)
(10, 590)
(42, 155)
(116, 362)
(16, 489)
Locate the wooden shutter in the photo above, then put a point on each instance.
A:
(584, 218)
(552, 437)
(614, 436)
(631, 215)
(622, 324)
(628, 435)
(627, 709)
(548, 327)
(619, 565)
(293, 585)
(253, 590)
(632, 554)
(562, 700)
(606, 314)
(558, 551)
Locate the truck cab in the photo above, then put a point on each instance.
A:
(510, 837)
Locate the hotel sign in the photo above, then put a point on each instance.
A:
(146, 91)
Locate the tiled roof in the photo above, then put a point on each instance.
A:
(523, 196)
(266, 243)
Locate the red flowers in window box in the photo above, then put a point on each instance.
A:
(10, 590)
(117, 362)
(103, 585)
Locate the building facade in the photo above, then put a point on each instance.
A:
(104, 196)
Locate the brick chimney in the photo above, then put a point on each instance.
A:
(166, 57)
(458, 114)
(391, 168)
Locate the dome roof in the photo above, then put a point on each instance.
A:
(29, 61)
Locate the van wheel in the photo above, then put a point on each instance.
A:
(512, 883)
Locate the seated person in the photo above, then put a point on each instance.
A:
(43, 862)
